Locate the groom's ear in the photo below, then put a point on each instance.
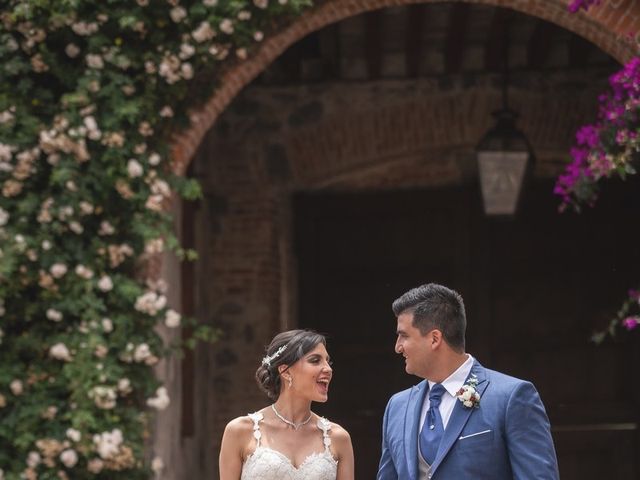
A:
(435, 338)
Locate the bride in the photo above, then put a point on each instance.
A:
(286, 440)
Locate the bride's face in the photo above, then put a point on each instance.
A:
(311, 375)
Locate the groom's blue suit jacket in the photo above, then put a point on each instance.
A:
(507, 437)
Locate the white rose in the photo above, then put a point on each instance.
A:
(58, 270)
(95, 465)
(150, 303)
(6, 152)
(106, 228)
(73, 434)
(84, 272)
(101, 351)
(105, 283)
(4, 217)
(72, 50)
(75, 227)
(108, 444)
(94, 61)
(90, 123)
(86, 208)
(157, 465)
(161, 400)
(172, 319)
(69, 458)
(107, 325)
(261, 3)
(134, 169)
(177, 14)
(186, 51)
(154, 159)
(16, 387)
(104, 397)
(226, 26)
(54, 315)
(142, 352)
(186, 70)
(166, 112)
(59, 351)
(124, 386)
(33, 459)
(154, 246)
(203, 33)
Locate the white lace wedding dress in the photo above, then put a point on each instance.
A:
(268, 464)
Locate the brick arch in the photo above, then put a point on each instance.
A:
(607, 26)
(364, 148)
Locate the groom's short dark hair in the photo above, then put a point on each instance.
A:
(435, 306)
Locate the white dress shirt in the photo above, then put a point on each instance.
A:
(452, 384)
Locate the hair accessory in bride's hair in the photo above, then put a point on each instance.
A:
(266, 361)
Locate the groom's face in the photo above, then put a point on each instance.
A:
(413, 346)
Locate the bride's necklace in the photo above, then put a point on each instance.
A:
(296, 426)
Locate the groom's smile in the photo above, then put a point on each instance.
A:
(412, 345)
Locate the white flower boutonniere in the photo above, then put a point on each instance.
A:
(468, 394)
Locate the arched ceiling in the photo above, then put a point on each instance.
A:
(433, 39)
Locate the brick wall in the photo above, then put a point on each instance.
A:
(612, 26)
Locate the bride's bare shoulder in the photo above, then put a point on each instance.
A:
(240, 426)
(341, 440)
(339, 434)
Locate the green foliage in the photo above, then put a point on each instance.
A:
(90, 93)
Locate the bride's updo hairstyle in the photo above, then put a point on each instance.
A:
(286, 348)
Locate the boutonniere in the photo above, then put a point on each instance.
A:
(468, 394)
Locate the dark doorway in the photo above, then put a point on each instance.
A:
(535, 288)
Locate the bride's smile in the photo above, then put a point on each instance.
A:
(310, 377)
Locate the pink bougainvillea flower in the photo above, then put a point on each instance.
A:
(576, 5)
(630, 323)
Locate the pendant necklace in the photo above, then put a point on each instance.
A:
(296, 426)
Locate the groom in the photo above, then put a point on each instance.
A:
(463, 421)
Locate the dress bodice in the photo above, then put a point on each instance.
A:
(268, 464)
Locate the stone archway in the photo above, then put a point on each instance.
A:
(608, 26)
(262, 215)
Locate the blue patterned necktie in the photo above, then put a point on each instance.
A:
(432, 428)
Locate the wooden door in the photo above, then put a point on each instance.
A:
(534, 288)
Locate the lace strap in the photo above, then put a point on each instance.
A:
(325, 426)
(257, 418)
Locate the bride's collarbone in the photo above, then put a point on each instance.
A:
(296, 445)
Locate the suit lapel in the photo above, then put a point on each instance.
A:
(459, 417)
(411, 421)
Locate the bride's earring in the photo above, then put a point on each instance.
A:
(290, 382)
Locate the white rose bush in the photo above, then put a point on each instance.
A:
(90, 94)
